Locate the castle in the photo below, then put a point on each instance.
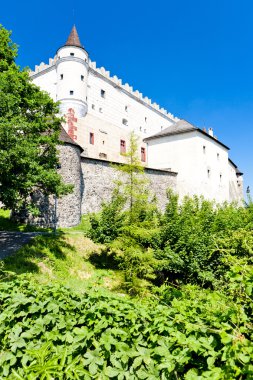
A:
(101, 112)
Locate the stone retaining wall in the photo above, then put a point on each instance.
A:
(99, 180)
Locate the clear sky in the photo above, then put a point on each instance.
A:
(194, 58)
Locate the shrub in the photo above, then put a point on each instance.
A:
(51, 332)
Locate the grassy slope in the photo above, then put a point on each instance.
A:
(63, 258)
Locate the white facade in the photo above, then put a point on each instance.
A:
(201, 163)
(101, 112)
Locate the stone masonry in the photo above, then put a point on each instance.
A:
(99, 181)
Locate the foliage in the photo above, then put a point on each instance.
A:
(61, 259)
(51, 332)
(134, 186)
(105, 227)
(194, 235)
(29, 132)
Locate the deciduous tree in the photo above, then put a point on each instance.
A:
(29, 132)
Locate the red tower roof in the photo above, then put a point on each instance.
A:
(73, 39)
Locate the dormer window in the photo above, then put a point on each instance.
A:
(124, 122)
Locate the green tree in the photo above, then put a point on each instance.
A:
(29, 134)
(135, 186)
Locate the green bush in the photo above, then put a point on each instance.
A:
(105, 226)
(50, 332)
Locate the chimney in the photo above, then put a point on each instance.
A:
(210, 132)
(204, 129)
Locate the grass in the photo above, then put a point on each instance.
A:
(63, 258)
(8, 225)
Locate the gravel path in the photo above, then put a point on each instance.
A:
(10, 242)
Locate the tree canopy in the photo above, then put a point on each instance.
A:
(29, 133)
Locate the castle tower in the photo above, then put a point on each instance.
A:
(72, 73)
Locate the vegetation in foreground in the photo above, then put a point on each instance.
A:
(29, 135)
(188, 313)
(188, 270)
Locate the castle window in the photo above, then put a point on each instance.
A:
(204, 149)
(92, 138)
(93, 106)
(72, 54)
(208, 173)
(122, 146)
(100, 110)
(126, 108)
(143, 154)
(82, 78)
(220, 177)
(124, 121)
(102, 93)
(146, 119)
(61, 76)
(161, 127)
(71, 92)
(218, 156)
(140, 128)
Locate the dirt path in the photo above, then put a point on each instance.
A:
(10, 242)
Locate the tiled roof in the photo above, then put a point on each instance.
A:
(73, 39)
(64, 137)
(182, 126)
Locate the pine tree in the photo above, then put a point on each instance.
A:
(135, 185)
(29, 133)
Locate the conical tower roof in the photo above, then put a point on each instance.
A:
(73, 39)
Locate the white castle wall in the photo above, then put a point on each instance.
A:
(142, 116)
(121, 110)
(107, 137)
(185, 154)
(235, 184)
(47, 80)
(123, 103)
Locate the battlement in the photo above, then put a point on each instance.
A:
(130, 89)
(43, 66)
(118, 82)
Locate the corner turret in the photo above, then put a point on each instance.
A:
(72, 75)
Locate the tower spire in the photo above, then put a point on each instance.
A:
(73, 39)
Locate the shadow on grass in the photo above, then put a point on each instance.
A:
(6, 224)
(41, 248)
(104, 259)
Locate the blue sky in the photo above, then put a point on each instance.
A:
(194, 58)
